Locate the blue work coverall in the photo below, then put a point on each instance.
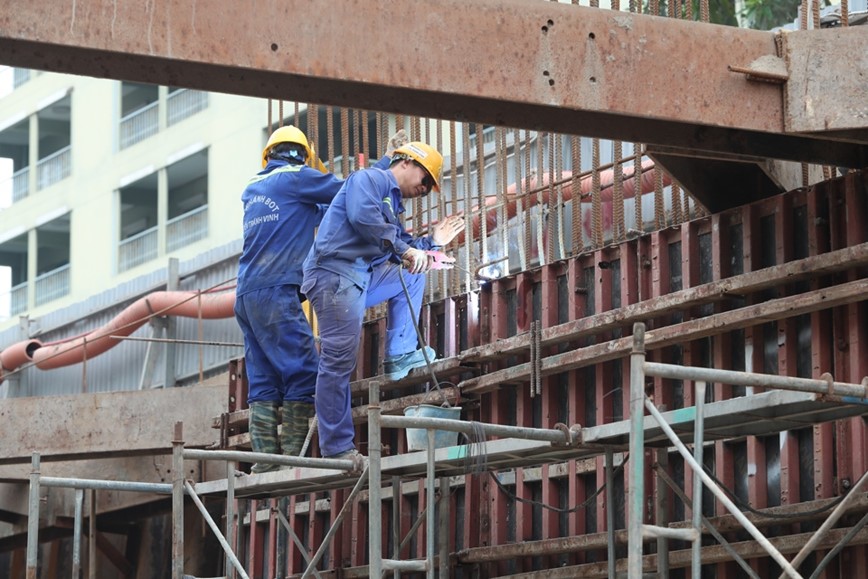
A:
(352, 265)
(282, 207)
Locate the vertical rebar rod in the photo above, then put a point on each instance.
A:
(430, 528)
(76, 534)
(375, 502)
(177, 502)
(33, 518)
(610, 511)
(698, 429)
(637, 452)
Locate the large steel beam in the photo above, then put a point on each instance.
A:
(114, 424)
(539, 65)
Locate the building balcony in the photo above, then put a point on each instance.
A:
(52, 285)
(138, 249)
(184, 103)
(20, 184)
(18, 299)
(187, 228)
(139, 125)
(54, 167)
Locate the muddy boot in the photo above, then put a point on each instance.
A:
(296, 422)
(263, 433)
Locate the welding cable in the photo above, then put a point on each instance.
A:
(582, 505)
(419, 336)
(747, 507)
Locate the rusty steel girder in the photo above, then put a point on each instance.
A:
(537, 65)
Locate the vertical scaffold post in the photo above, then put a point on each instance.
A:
(76, 533)
(637, 450)
(698, 442)
(178, 502)
(375, 514)
(33, 518)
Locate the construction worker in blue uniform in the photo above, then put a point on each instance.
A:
(283, 204)
(355, 263)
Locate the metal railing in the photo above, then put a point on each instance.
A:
(139, 125)
(187, 228)
(138, 249)
(640, 369)
(184, 103)
(54, 167)
(52, 285)
(20, 184)
(20, 76)
(18, 299)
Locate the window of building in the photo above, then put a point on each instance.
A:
(138, 223)
(55, 142)
(188, 201)
(139, 112)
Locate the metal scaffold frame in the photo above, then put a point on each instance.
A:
(639, 403)
(344, 473)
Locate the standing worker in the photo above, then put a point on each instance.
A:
(355, 263)
(282, 207)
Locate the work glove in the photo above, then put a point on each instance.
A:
(415, 260)
(399, 139)
(446, 230)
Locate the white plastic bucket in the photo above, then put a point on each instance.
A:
(417, 438)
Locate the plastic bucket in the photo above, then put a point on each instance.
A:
(417, 438)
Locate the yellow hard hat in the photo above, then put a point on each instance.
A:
(425, 155)
(287, 134)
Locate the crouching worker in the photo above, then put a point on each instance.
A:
(282, 207)
(355, 263)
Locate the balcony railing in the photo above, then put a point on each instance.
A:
(184, 103)
(20, 76)
(54, 167)
(52, 285)
(18, 299)
(187, 228)
(139, 125)
(137, 249)
(20, 184)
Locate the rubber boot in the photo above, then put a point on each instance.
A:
(262, 425)
(296, 421)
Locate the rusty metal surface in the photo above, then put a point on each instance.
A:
(109, 424)
(826, 92)
(565, 68)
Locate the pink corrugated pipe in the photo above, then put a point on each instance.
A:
(185, 304)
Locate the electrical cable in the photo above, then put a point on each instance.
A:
(746, 506)
(582, 505)
(421, 339)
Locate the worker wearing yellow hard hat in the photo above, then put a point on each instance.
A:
(283, 204)
(356, 262)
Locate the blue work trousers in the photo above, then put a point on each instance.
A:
(340, 308)
(279, 352)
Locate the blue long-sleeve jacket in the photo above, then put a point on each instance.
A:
(361, 226)
(283, 204)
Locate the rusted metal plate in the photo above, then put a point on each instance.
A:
(826, 92)
(108, 424)
(538, 65)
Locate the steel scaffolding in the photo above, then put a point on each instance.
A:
(812, 400)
